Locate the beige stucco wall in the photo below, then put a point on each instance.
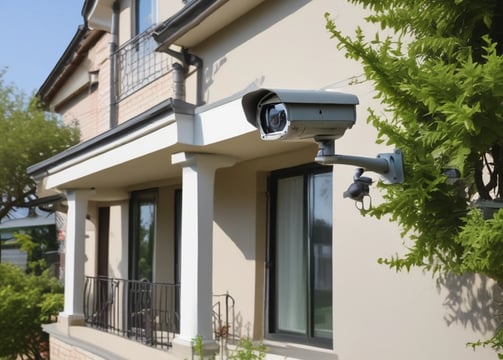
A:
(234, 250)
(90, 244)
(377, 313)
(279, 44)
(164, 255)
(166, 9)
(118, 240)
(125, 21)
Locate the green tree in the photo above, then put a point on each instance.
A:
(439, 74)
(29, 135)
(26, 302)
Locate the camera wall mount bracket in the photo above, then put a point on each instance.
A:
(388, 165)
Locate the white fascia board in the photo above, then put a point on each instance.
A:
(152, 138)
(220, 123)
(208, 126)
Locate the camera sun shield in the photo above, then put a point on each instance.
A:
(298, 114)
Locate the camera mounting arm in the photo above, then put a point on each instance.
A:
(388, 165)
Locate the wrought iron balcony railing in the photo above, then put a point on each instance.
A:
(138, 64)
(140, 310)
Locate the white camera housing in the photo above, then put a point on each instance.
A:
(282, 114)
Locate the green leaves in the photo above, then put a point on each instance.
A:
(29, 135)
(247, 350)
(439, 76)
(482, 241)
(443, 97)
(26, 302)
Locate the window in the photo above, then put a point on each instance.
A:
(300, 255)
(145, 15)
(137, 61)
(143, 217)
(103, 240)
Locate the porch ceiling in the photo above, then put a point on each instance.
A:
(198, 20)
(155, 168)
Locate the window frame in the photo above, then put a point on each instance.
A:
(135, 19)
(271, 329)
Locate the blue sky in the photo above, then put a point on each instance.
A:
(33, 36)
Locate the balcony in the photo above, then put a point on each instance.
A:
(138, 64)
(142, 311)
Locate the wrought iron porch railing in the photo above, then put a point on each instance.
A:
(224, 321)
(140, 310)
(147, 312)
(138, 64)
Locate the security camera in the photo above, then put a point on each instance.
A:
(299, 114)
(322, 116)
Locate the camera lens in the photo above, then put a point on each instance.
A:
(273, 118)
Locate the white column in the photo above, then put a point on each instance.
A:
(196, 298)
(75, 257)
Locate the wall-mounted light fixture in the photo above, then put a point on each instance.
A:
(388, 165)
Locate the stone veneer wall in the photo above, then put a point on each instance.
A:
(60, 350)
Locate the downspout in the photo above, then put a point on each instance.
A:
(197, 62)
(180, 72)
(113, 63)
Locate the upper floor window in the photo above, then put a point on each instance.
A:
(138, 62)
(145, 15)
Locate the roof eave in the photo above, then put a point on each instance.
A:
(72, 56)
(183, 21)
(168, 106)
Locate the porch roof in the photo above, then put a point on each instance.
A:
(128, 154)
(137, 153)
(166, 107)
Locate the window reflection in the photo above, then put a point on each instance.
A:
(300, 285)
(146, 15)
(143, 234)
